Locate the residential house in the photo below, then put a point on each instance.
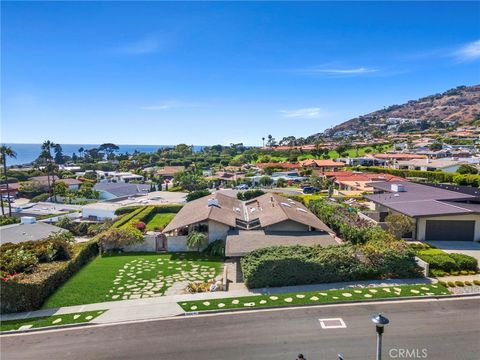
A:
(322, 165)
(28, 229)
(121, 177)
(247, 225)
(427, 164)
(12, 189)
(356, 183)
(73, 184)
(111, 190)
(437, 213)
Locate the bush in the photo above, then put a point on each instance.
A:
(467, 283)
(216, 248)
(438, 260)
(17, 260)
(41, 197)
(437, 273)
(465, 262)
(140, 226)
(29, 292)
(476, 282)
(8, 220)
(127, 210)
(119, 238)
(443, 283)
(454, 273)
(471, 272)
(197, 194)
(459, 283)
(463, 272)
(296, 265)
(249, 194)
(451, 284)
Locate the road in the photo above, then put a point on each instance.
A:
(439, 329)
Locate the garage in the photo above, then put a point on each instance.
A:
(450, 230)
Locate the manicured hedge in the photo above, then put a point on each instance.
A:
(297, 265)
(145, 213)
(127, 210)
(29, 292)
(465, 262)
(440, 260)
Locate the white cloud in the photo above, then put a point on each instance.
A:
(304, 113)
(337, 71)
(169, 105)
(146, 45)
(470, 51)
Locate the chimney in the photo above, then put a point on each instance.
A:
(27, 220)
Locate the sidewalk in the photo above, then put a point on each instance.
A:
(166, 306)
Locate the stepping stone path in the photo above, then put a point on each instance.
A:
(142, 278)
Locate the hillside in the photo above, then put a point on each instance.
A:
(454, 107)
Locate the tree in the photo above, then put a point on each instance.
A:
(197, 240)
(58, 154)
(81, 150)
(6, 151)
(46, 155)
(281, 182)
(197, 195)
(117, 238)
(399, 224)
(60, 188)
(109, 149)
(263, 141)
(266, 181)
(467, 169)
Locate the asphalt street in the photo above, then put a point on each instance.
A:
(448, 330)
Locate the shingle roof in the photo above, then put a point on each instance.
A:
(241, 242)
(269, 209)
(423, 200)
(122, 189)
(17, 233)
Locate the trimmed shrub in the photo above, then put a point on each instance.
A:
(249, 194)
(296, 265)
(8, 220)
(451, 284)
(29, 292)
(467, 283)
(459, 283)
(216, 248)
(476, 282)
(465, 262)
(118, 238)
(437, 273)
(443, 283)
(197, 194)
(40, 198)
(471, 272)
(126, 210)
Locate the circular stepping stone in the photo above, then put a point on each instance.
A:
(193, 307)
(368, 295)
(386, 290)
(221, 305)
(263, 302)
(76, 316)
(424, 288)
(373, 291)
(273, 297)
(235, 302)
(397, 289)
(335, 297)
(206, 303)
(56, 321)
(357, 291)
(434, 286)
(314, 298)
(323, 294)
(414, 291)
(249, 304)
(289, 299)
(346, 294)
(300, 296)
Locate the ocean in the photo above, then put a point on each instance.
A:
(26, 153)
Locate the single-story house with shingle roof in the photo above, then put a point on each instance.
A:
(112, 190)
(267, 220)
(17, 233)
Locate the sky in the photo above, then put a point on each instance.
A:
(209, 73)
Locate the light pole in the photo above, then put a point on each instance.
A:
(380, 321)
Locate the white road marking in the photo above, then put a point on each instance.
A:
(333, 323)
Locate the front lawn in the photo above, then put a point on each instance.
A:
(54, 320)
(159, 221)
(314, 297)
(132, 276)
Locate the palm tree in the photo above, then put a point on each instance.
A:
(263, 141)
(196, 239)
(7, 151)
(47, 148)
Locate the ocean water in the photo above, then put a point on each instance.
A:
(26, 153)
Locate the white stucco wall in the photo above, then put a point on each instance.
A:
(177, 243)
(148, 244)
(422, 224)
(288, 225)
(217, 231)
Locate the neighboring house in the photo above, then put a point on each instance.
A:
(246, 225)
(363, 161)
(397, 156)
(73, 184)
(100, 211)
(279, 165)
(27, 230)
(322, 165)
(168, 172)
(12, 189)
(438, 213)
(115, 190)
(444, 165)
(349, 182)
(120, 177)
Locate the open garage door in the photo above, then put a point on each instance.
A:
(450, 230)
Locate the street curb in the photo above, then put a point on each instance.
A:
(66, 326)
(437, 297)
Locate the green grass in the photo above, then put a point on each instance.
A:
(65, 319)
(131, 276)
(357, 152)
(313, 297)
(160, 221)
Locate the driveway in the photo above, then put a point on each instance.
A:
(471, 248)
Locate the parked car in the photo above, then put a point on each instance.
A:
(310, 190)
(241, 187)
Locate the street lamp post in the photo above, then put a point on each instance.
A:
(380, 321)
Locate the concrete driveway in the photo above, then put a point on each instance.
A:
(471, 248)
